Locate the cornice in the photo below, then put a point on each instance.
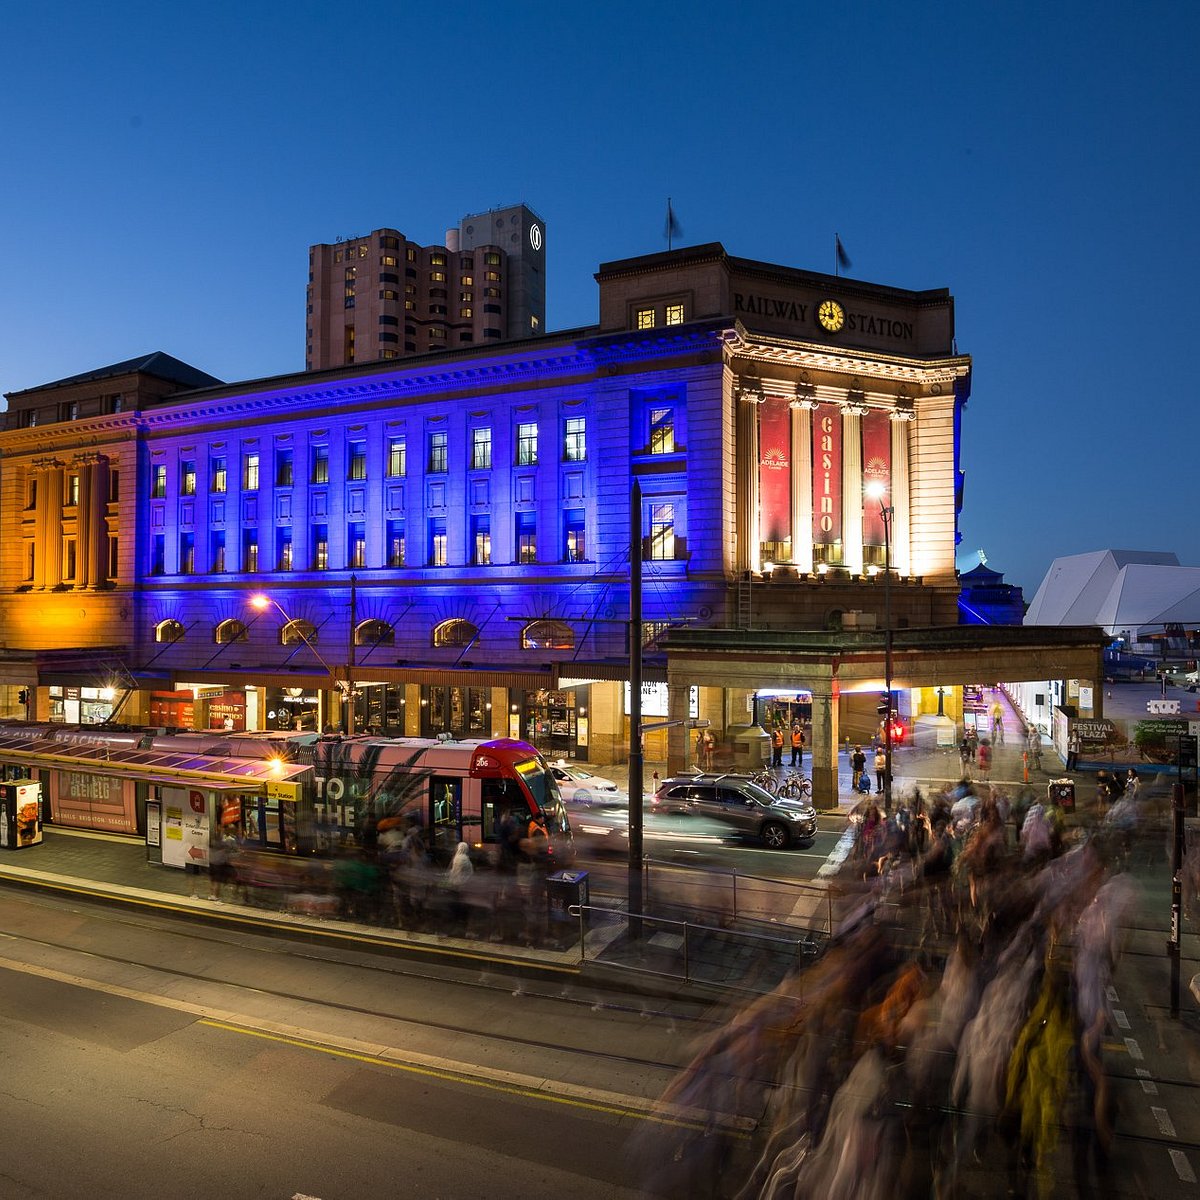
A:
(69, 435)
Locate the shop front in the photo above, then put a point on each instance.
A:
(81, 705)
(292, 709)
(465, 712)
(550, 720)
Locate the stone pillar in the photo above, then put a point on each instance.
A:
(42, 481)
(901, 496)
(678, 735)
(852, 488)
(802, 495)
(81, 468)
(825, 748)
(749, 550)
(50, 532)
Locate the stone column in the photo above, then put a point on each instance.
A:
(825, 747)
(852, 487)
(749, 550)
(802, 501)
(901, 525)
(82, 469)
(42, 481)
(50, 527)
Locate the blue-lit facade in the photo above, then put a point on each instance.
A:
(447, 536)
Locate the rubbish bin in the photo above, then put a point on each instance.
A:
(1062, 793)
(564, 889)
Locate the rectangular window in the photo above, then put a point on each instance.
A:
(187, 478)
(674, 314)
(320, 547)
(283, 548)
(70, 563)
(187, 553)
(216, 555)
(481, 540)
(574, 539)
(526, 445)
(662, 431)
(662, 531)
(158, 556)
(397, 458)
(114, 487)
(526, 537)
(158, 485)
(437, 541)
(219, 478)
(356, 544)
(574, 440)
(645, 318)
(71, 490)
(320, 465)
(437, 452)
(284, 468)
(492, 258)
(249, 549)
(250, 473)
(114, 557)
(395, 544)
(481, 449)
(357, 466)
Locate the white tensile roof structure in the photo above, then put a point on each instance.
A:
(1128, 592)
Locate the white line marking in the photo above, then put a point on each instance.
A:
(1183, 1168)
(1111, 993)
(1142, 1073)
(1149, 1087)
(1163, 1121)
(1135, 1051)
(1121, 1019)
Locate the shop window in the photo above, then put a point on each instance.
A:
(548, 635)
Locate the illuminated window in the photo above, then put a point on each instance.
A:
(526, 537)
(319, 542)
(397, 458)
(492, 258)
(527, 444)
(250, 473)
(455, 632)
(218, 473)
(411, 254)
(464, 312)
(491, 292)
(71, 490)
(534, 323)
(574, 537)
(158, 486)
(492, 276)
(395, 544)
(249, 549)
(548, 635)
(168, 631)
(356, 544)
(466, 281)
(389, 294)
(662, 531)
(662, 431)
(187, 479)
(187, 553)
(158, 554)
(387, 260)
(351, 272)
(284, 468)
(645, 318)
(436, 333)
(358, 461)
(674, 314)
(437, 452)
(298, 632)
(437, 260)
(481, 540)
(481, 449)
(230, 631)
(283, 548)
(437, 276)
(216, 551)
(437, 541)
(574, 442)
(320, 465)
(374, 633)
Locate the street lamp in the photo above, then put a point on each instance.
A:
(345, 687)
(877, 491)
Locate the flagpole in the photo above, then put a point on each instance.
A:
(836, 264)
(669, 223)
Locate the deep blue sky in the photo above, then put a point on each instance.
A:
(165, 168)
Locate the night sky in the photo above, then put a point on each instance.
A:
(165, 169)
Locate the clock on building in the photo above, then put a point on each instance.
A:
(831, 315)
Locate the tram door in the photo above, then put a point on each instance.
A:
(445, 816)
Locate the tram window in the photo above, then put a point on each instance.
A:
(497, 795)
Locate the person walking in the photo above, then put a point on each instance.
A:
(797, 745)
(983, 758)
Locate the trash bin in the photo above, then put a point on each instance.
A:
(1062, 793)
(564, 889)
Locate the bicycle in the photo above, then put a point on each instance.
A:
(795, 787)
(766, 780)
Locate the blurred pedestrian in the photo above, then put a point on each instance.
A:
(983, 758)
(858, 764)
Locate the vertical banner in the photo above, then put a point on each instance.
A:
(877, 469)
(827, 474)
(774, 471)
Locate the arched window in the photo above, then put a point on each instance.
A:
(230, 631)
(298, 631)
(455, 632)
(548, 635)
(168, 631)
(374, 633)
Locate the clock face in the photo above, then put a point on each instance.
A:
(831, 315)
(535, 236)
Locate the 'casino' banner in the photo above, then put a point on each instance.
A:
(827, 474)
(774, 470)
(877, 469)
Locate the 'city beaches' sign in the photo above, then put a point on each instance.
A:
(797, 312)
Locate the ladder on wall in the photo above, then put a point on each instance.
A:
(744, 595)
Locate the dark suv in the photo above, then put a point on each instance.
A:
(735, 801)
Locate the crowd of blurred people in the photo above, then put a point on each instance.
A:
(951, 1034)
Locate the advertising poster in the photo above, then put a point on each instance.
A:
(774, 471)
(185, 828)
(877, 469)
(85, 801)
(827, 474)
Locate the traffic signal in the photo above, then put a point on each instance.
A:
(23, 696)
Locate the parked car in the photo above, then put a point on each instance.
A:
(581, 789)
(741, 805)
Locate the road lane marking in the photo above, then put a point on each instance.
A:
(536, 1087)
(1183, 1168)
(1135, 1051)
(1121, 1019)
(1163, 1120)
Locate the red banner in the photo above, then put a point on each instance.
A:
(774, 471)
(877, 470)
(827, 474)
